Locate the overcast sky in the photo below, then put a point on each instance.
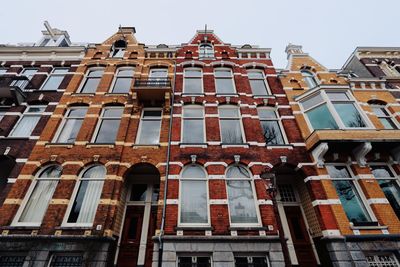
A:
(328, 30)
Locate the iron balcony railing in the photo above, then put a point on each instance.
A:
(155, 82)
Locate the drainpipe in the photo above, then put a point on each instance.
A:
(160, 241)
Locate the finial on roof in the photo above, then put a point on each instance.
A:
(293, 49)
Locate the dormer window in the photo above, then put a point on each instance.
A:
(206, 50)
(118, 49)
(309, 78)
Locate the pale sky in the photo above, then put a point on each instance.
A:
(328, 30)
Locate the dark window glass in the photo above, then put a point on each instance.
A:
(12, 261)
(132, 233)
(138, 192)
(66, 261)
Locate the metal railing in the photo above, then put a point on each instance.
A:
(153, 82)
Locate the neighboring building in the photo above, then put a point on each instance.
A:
(33, 77)
(350, 128)
(231, 123)
(88, 194)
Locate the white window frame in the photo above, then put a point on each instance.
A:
(332, 110)
(100, 120)
(28, 114)
(78, 182)
(52, 74)
(388, 116)
(206, 181)
(232, 78)
(151, 119)
(28, 194)
(3, 71)
(264, 79)
(194, 106)
(207, 55)
(29, 76)
(229, 106)
(358, 188)
(154, 69)
(116, 76)
(278, 119)
(185, 76)
(255, 199)
(312, 76)
(64, 121)
(86, 77)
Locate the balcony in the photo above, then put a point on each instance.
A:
(11, 89)
(152, 89)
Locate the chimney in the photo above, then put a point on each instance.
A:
(292, 49)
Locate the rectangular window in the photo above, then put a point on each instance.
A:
(150, 126)
(252, 261)
(389, 184)
(29, 73)
(92, 81)
(258, 83)
(241, 202)
(66, 260)
(28, 121)
(123, 81)
(349, 197)
(384, 117)
(193, 81)
(193, 124)
(11, 261)
(271, 128)
(194, 202)
(194, 261)
(230, 124)
(71, 125)
(224, 81)
(55, 79)
(108, 124)
(3, 71)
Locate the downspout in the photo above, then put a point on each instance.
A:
(160, 241)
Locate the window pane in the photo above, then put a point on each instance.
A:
(267, 113)
(309, 79)
(349, 115)
(70, 131)
(223, 73)
(258, 87)
(229, 112)
(53, 83)
(312, 101)
(113, 112)
(138, 192)
(241, 202)
(380, 112)
(321, 118)
(193, 73)
(392, 193)
(152, 113)
(193, 172)
(387, 123)
(193, 131)
(90, 85)
(149, 132)
(338, 171)
(125, 73)
(255, 75)
(60, 70)
(193, 85)
(225, 86)
(108, 131)
(193, 112)
(231, 132)
(272, 132)
(96, 73)
(381, 171)
(260, 262)
(351, 202)
(158, 73)
(237, 172)
(334, 96)
(25, 126)
(203, 262)
(95, 172)
(122, 85)
(11, 261)
(185, 262)
(194, 202)
(77, 112)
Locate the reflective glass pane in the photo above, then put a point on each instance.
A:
(337, 171)
(334, 96)
(388, 123)
(381, 171)
(255, 75)
(223, 73)
(108, 131)
(349, 115)
(113, 112)
(193, 171)
(122, 85)
(229, 112)
(224, 86)
(266, 113)
(258, 87)
(60, 70)
(193, 112)
(193, 131)
(321, 118)
(241, 202)
(194, 202)
(392, 193)
(77, 112)
(96, 73)
(193, 85)
(25, 126)
(193, 73)
(380, 112)
(95, 172)
(158, 73)
(237, 171)
(53, 83)
(90, 85)
(149, 132)
(231, 132)
(125, 73)
(70, 131)
(272, 132)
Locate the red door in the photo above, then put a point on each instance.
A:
(130, 240)
(301, 241)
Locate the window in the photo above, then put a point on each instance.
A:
(224, 81)
(55, 79)
(193, 81)
(194, 261)
(158, 74)
(123, 81)
(271, 127)
(193, 124)
(206, 51)
(108, 125)
(384, 116)
(118, 49)
(230, 124)
(27, 121)
(66, 260)
(388, 182)
(333, 110)
(87, 196)
(149, 128)
(387, 259)
(92, 81)
(241, 198)
(29, 73)
(193, 196)
(253, 261)
(258, 84)
(11, 260)
(349, 197)
(3, 71)
(310, 79)
(388, 70)
(71, 125)
(43, 188)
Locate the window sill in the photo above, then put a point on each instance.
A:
(138, 146)
(66, 145)
(367, 226)
(192, 94)
(15, 138)
(21, 227)
(116, 94)
(75, 227)
(201, 145)
(194, 228)
(227, 145)
(83, 94)
(264, 96)
(248, 228)
(226, 94)
(109, 145)
(284, 146)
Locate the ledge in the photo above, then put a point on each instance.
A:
(239, 238)
(138, 146)
(248, 228)
(194, 228)
(20, 227)
(227, 145)
(66, 145)
(193, 94)
(199, 145)
(109, 145)
(83, 94)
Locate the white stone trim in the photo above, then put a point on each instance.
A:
(331, 232)
(377, 201)
(325, 202)
(172, 201)
(218, 201)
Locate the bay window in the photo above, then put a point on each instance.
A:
(150, 127)
(193, 124)
(258, 84)
(123, 81)
(71, 125)
(108, 125)
(28, 121)
(271, 127)
(192, 81)
(230, 124)
(224, 81)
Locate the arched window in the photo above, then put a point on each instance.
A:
(193, 81)
(258, 84)
(71, 125)
(384, 116)
(87, 195)
(91, 81)
(206, 51)
(42, 190)
(193, 124)
(193, 196)
(118, 49)
(123, 81)
(241, 196)
(309, 78)
(230, 124)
